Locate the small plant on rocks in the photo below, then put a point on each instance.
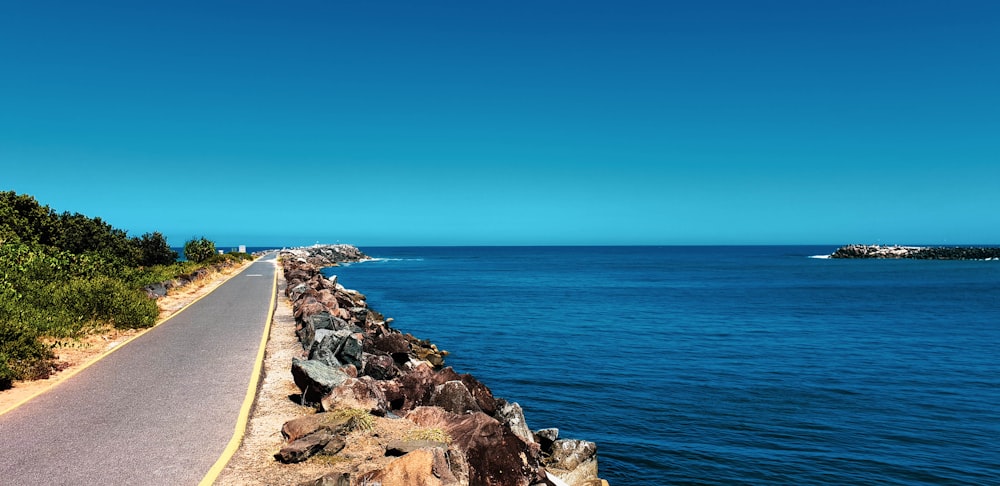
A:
(432, 434)
(357, 418)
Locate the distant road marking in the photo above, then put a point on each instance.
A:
(255, 275)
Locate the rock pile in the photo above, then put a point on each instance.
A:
(917, 252)
(354, 364)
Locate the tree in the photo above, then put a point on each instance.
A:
(154, 250)
(199, 250)
(22, 218)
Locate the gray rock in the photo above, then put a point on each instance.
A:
(511, 414)
(568, 454)
(546, 437)
(297, 291)
(351, 349)
(321, 320)
(322, 334)
(360, 314)
(324, 320)
(306, 334)
(325, 346)
(315, 378)
(156, 290)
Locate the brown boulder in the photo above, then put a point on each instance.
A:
(484, 397)
(299, 427)
(393, 344)
(308, 306)
(422, 467)
(380, 367)
(342, 313)
(327, 298)
(454, 397)
(496, 456)
(416, 387)
(361, 393)
(320, 441)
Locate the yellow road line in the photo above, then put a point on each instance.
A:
(244, 417)
(107, 353)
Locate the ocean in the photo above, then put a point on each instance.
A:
(721, 365)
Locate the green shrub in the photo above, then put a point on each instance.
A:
(354, 418)
(199, 249)
(22, 356)
(104, 300)
(231, 257)
(154, 250)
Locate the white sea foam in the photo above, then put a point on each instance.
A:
(824, 257)
(394, 260)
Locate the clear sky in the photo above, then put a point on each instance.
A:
(508, 122)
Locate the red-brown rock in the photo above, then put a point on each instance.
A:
(361, 393)
(416, 387)
(495, 455)
(422, 467)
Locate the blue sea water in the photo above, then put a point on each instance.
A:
(721, 365)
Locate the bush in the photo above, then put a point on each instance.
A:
(22, 356)
(231, 257)
(154, 250)
(199, 250)
(104, 300)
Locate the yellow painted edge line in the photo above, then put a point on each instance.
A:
(118, 346)
(244, 417)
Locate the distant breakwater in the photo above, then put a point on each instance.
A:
(917, 252)
(353, 360)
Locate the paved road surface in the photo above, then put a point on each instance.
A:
(158, 411)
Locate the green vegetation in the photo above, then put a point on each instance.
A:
(435, 434)
(65, 275)
(199, 249)
(355, 418)
(154, 250)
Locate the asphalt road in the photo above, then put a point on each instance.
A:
(158, 411)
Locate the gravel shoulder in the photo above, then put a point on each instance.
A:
(254, 461)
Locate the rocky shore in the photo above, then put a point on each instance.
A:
(917, 252)
(422, 422)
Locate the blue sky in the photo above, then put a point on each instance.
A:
(412, 123)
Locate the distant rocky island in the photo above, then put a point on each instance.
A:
(918, 252)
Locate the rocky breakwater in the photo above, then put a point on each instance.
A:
(917, 252)
(390, 412)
